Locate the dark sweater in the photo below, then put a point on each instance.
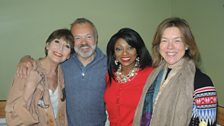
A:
(204, 100)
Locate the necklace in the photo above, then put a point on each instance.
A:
(121, 78)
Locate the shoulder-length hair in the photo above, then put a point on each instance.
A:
(192, 52)
(135, 41)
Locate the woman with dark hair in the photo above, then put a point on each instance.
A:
(177, 93)
(39, 99)
(129, 65)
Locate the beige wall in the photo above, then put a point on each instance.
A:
(26, 24)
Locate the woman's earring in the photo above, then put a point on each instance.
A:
(137, 62)
(116, 62)
(186, 48)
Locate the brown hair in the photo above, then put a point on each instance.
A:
(192, 52)
(58, 34)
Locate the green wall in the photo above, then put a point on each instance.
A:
(26, 24)
(206, 18)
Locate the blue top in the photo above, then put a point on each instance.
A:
(84, 87)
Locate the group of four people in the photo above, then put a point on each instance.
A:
(166, 90)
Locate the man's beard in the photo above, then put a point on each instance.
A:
(85, 54)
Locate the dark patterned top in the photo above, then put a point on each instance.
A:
(204, 101)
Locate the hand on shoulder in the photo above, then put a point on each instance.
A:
(25, 65)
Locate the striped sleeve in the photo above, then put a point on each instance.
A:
(204, 106)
